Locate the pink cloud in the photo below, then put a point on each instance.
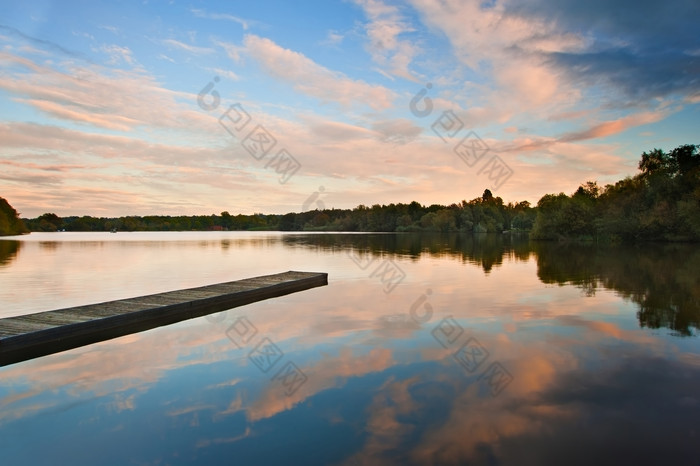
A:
(114, 122)
(313, 79)
(609, 128)
(118, 100)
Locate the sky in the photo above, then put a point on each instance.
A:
(184, 108)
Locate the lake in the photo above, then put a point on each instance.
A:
(423, 349)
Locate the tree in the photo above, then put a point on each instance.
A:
(548, 223)
(444, 221)
(10, 223)
(662, 202)
(226, 219)
(684, 159)
(589, 189)
(49, 222)
(653, 162)
(522, 221)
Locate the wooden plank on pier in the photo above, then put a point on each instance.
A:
(34, 335)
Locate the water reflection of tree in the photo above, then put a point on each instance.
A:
(664, 280)
(8, 251)
(484, 250)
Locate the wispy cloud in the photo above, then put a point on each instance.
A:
(392, 54)
(172, 43)
(333, 38)
(120, 100)
(162, 56)
(115, 122)
(222, 16)
(42, 43)
(310, 78)
(228, 74)
(112, 29)
(232, 50)
(609, 128)
(118, 54)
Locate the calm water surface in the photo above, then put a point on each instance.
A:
(421, 350)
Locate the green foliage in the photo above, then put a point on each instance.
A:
(10, 223)
(661, 203)
(483, 214)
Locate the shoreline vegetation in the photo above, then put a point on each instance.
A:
(10, 223)
(660, 203)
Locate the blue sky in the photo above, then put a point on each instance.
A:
(99, 109)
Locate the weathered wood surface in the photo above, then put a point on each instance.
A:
(34, 335)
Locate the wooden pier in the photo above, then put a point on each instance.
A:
(34, 335)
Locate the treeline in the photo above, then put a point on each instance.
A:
(487, 214)
(225, 221)
(10, 223)
(661, 203)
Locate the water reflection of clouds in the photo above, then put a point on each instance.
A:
(533, 364)
(546, 419)
(108, 369)
(584, 373)
(555, 389)
(137, 362)
(328, 372)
